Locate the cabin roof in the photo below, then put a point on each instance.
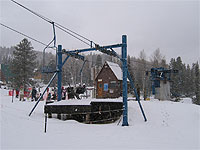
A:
(116, 69)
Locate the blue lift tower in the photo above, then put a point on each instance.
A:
(160, 78)
(104, 49)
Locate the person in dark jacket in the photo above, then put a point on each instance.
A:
(33, 94)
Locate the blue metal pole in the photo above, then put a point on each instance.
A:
(59, 67)
(124, 69)
(65, 60)
(41, 96)
(94, 48)
(136, 94)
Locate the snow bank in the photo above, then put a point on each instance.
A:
(170, 125)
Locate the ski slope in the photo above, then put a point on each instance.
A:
(170, 125)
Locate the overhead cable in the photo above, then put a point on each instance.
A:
(44, 18)
(65, 29)
(23, 34)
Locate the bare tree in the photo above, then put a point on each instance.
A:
(157, 59)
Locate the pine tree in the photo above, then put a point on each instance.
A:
(188, 82)
(197, 84)
(23, 64)
(183, 78)
(177, 79)
(192, 80)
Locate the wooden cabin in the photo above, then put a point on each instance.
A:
(109, 81)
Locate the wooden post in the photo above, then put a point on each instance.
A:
(45, 127)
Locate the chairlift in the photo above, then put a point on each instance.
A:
(47, 69)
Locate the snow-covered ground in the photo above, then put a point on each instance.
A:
(170, 125)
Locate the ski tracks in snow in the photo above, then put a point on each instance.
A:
(165, 116)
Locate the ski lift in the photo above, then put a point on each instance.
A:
(158, 74)
(47, 69)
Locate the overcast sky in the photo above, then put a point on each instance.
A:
(171, 26)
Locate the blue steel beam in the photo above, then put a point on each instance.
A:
(124, 69)
(59, 68)
(65, 60)
(95, 48)
(116, 55)
(136, 94)
(41, 96)
(73, 54)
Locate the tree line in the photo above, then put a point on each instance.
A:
(25, 63)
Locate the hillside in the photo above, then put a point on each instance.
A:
(170, 125)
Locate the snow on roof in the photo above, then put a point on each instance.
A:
(84, 101)
(116, 70)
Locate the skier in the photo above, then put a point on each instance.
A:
(33, 94)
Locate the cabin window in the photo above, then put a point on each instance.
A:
(112, 84)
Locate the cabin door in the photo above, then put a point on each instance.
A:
(100, 89)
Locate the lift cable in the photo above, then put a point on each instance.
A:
(74, 32)
(23, 34)
(72, 35)
(42, 17)
(66, 30)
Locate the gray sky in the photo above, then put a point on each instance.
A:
(171, 26)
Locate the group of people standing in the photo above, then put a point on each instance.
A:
(33, 94)
(51, 93)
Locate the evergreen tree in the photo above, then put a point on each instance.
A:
(192, 79)
(197, 84)
(183, 80)
(180, 76)
(177, 79)
(188, 87)
(23, 64)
